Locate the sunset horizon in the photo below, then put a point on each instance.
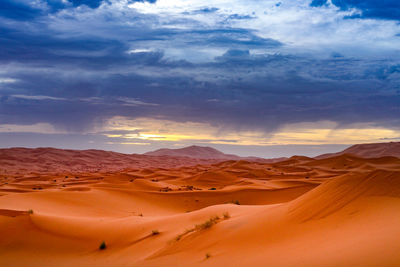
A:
(199, 133)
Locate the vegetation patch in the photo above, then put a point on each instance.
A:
(204, 226)
(165, 189)
(227, 215)
(103, 245)
(207, 224)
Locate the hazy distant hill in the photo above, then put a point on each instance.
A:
(369, 150)
(199, 152)
(204, 152)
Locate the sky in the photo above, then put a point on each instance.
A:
(257, 77)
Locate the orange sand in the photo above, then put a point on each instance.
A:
(338, 211)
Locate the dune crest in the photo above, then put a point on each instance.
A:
(85, 208)
(377, 150)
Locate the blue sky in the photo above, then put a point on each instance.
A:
(266, 78)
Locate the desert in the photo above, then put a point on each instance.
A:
(77, 208)
(200, 133)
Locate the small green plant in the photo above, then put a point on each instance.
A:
(226, 215)
(30, 211)
(155, 232)
(103, 245)
(236, 202)
(208, 255)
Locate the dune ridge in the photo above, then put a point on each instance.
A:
(203, 152)
(52, 160)
(336, 211)
(373, 150)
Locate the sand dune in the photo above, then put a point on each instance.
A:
(160, 211)
(203, 152)
(198, 152)
(377, 150)
(51, 160)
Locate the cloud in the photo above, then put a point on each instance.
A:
(390, 138)
(24, 10)
(38, 97)
(389, 9)
(232, 37)
(33, 128)
(235, 53)
(139, 50)
(5, 80)
(326, 132)
(247, 90)
(193, 63)
(127, 101)
(238, 16)
(29, 10)
(205, 10)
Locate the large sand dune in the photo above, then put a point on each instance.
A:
(374, 150)
(168, 211)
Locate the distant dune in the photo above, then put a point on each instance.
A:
(66, 160)
(203, 152)
(369, 150)
(199, 152)
(98, 208)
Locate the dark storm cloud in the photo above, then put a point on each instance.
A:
(274, 90)
(23, 46)
(43, 43)
(67, 74)
(388, 9)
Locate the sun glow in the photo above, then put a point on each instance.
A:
(327, 132)
(324, 132)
